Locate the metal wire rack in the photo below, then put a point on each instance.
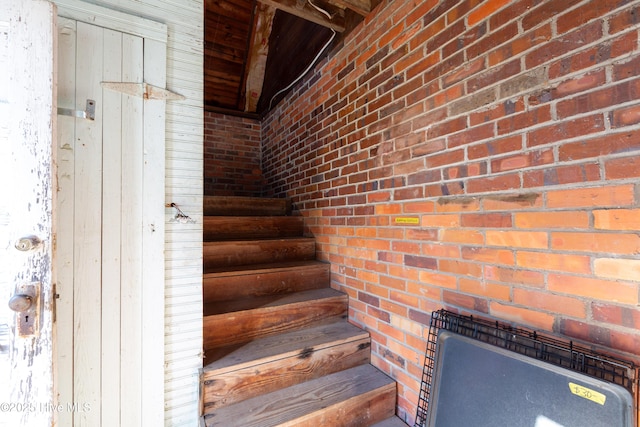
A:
(529, 343)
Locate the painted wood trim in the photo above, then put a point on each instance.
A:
(112, 19)
(64, 209)
(153, 238)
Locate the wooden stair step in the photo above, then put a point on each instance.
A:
(391, 422)
(245, 206)
(265, 279)
(251, 227)
(246, 370)
(237, 321)
(245, 252)
(359, 396)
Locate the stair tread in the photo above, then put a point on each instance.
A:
(269, 301)
(301, 400)
(391, 422)
(236, 270)
(263, 350)
(264, 239)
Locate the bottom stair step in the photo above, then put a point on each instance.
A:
(264, 365)
(360, 396)
(391, 422)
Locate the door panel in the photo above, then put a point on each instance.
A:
(27, 87)
(101, 208)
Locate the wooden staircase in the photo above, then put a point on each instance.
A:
(279, 350)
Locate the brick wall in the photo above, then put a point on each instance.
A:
(509, 132)
(232, 156)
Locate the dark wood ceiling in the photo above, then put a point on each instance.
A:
(254, 50)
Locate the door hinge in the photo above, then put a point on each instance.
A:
(143, 90)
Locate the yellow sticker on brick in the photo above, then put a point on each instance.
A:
(587, 393)
(407, 220)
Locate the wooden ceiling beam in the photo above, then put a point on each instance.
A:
(361, 7)
(257, 57)
(309, 13)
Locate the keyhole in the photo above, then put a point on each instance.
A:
(26, 319)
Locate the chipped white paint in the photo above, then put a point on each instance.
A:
(28, 199)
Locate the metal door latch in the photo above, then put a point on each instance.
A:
(89, 112)
(25, 302)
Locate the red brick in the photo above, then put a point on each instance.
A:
(522, 316)
(617, 219)
(562, 45)
(492, 220)
(438, 279)
(555, 262)
(595, 289)
(440, 220)
(499, 183)
(493, 39)
(621, 195)
(602, 336)
(565, 130)
(488, 255)
(603, 98)
(462, 268)
(512, 202)
(500, 146)
(613, 314)
(615, 243)
(562, 175)
(624, 19)
(582, 14)
(546, 220)
(467, 236)
(439, 250)
(517, 276)
(468, 69)
(536, 37)
(626, 116)
(622, 168)
(466, 204)
(585, 332)
(487, 290)
(484, 11)
(524, 120)
(517, 239)
(617, 268)
(545, 301)
(420, 262)
(465, 301)
(471, 135)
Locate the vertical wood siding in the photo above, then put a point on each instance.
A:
(184, 186)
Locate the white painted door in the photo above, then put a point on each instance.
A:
(110, 216)
(27, 80)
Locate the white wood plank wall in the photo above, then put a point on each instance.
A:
(184, 186)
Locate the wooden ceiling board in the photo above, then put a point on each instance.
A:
(231, 57)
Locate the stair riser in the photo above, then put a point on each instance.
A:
(244, 206)
(228, 286)
(360, 411)
(229, 254)
(245, 228)
(234, 328)
(221, 389)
